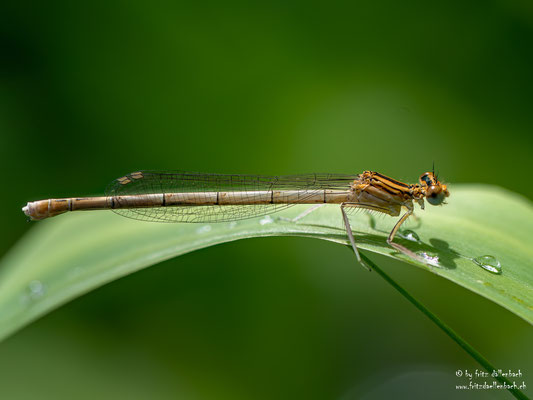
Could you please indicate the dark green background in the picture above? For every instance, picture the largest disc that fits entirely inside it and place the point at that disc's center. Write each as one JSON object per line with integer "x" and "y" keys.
{"x": 89, "y": 92}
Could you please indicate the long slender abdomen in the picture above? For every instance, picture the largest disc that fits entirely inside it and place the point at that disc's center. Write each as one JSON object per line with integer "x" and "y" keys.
{"x": 42, "y": 209}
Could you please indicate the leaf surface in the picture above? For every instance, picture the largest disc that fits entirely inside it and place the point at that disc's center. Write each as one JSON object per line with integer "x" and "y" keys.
{"x": 74, "y": 253}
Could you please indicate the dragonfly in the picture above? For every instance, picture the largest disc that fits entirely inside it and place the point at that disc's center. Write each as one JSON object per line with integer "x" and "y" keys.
{"x": 191, "y": 197}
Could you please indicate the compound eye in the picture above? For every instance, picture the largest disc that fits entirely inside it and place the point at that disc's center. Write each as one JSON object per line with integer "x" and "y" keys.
{"x": 435, "y": 195}
{"x": 427, "y": 179}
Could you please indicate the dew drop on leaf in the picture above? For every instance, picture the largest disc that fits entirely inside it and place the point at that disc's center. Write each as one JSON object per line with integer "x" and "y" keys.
{"x": 489, "y": 263}
{"x": 35, "y": 289}
{"x": 204, "y": 229}
{"x": 266, "y": 220}
{"x": 430, "y": 258}
{"x": 410, "y": 235}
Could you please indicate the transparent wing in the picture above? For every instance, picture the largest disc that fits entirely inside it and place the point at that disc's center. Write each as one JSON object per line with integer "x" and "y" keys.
{"x": 154, "y": 182}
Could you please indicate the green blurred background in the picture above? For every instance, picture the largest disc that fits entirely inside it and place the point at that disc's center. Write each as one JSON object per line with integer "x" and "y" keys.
{"x": 93, "y": 90}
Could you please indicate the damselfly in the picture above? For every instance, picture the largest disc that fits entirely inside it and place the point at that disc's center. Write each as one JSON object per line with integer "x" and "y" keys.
{"x": 160, "y": 196}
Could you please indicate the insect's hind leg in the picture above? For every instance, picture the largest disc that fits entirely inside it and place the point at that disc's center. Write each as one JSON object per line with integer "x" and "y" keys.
{"x": 350, "y": 233}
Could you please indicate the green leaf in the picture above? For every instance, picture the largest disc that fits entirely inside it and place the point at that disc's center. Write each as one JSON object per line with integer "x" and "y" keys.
{"x": 69, "y": 255}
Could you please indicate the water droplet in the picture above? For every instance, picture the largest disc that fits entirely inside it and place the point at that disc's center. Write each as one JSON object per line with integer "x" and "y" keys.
{"x": 410, "y": 235}
{"x": 76, "y": 271}
{"x": 204, "y": 229}
{"x": 490, "y": 263}
{"x": 36, "y": 289}
{"x": 430, "y": 258}
{"x": 232, "y": 224}
{"x": 266, "y": 220}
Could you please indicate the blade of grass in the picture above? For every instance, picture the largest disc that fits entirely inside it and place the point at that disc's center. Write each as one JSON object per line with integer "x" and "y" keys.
{"x": 69, "y": 255}
{"x": 476, "y": 355}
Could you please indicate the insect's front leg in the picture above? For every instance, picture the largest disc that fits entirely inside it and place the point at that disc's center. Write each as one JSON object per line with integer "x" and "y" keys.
{"x": 398, "y": 246}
